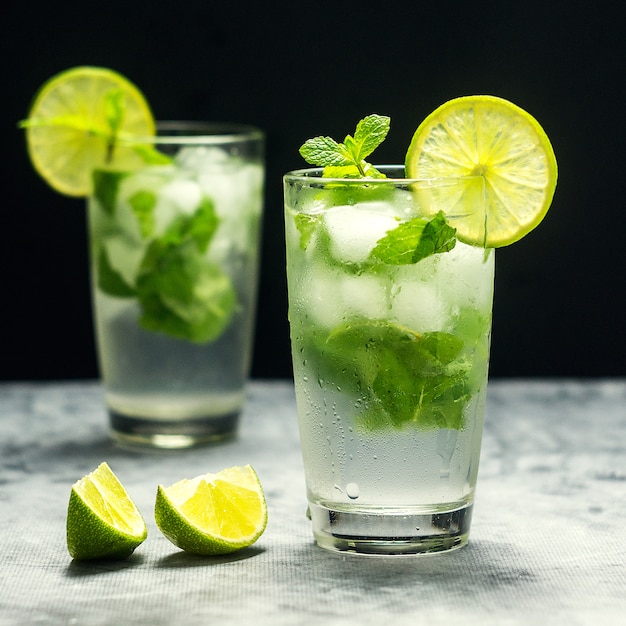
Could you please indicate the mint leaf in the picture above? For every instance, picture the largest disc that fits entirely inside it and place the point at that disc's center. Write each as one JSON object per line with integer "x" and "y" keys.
{"x": 438, "y": 237}
{"x": 352, "y": 171}
{"x": 405, "y": 377}
{"x": 307, "y": 225}
{"x": 114, "y": 110}
{"x": 324, "y": 151}
{"x": 151, "y": 156}
{"x": 142, "y": 203}
{"x": 370, "y": 132}
{"x": 106, "y": 186}
{"x": 415, "y": 240}
{"x": 199, "y": 227}
{"x": 109, "y": 280}
{"x": 328, "y": 153}
{"x": 181, "y": 293}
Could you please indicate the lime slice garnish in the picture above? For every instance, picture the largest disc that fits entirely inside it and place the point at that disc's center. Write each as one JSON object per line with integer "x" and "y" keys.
{"x": 102, "y": 520}
{"x": 75, "y": 125}
{"x": 505, "y": 148}
{"x": 213, "y": 513}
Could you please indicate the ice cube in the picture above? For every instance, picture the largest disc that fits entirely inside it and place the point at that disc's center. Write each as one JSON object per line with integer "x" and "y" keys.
{"x": 184, "y": 193}
{"x": 198, "y": 158}
{"x": 238, "y": 200}
{"x": 354, "y": 230}
{"x": 124, "y": 255}
{"x": 463, "y": 279}
{"x": 235, "y": 191}
{"x": 364, "y": 296}
{"x": 418, "y": 306}
{"x": 318, "y": 290}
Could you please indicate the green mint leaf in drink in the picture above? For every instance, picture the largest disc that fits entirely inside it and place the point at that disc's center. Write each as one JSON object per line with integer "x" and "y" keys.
{"x": 106, "y": 186}
{"x": 350, "y": 155}
{"x": 415, "y": 240}
{"x": 181, "y": 293}
{"x": 307, "y": 225}
{"x": 143, "y": 203}
{"x": 199, "y": 227}
{"x": 406, "y": 378}
{"x": 110, "y": 281}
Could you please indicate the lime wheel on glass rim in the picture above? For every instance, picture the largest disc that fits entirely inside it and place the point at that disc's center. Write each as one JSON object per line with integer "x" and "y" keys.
{"x": 78, "y": 122}
{"x": 501, "y": 144}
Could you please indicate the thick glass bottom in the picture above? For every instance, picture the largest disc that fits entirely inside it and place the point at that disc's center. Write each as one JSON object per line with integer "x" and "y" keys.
{"x": 390, "y": 532}
{"x": 135, "y": 431}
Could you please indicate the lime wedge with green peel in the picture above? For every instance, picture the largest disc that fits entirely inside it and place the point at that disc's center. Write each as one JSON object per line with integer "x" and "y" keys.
{"x": 102, "y": 520}
{"x": 78, "y": 122}
{"x": 506, "y": 151}
{"x": 214, "y": 513}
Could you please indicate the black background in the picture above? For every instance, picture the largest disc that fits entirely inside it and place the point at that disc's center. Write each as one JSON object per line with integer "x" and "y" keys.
{"x": 299, "y": 70}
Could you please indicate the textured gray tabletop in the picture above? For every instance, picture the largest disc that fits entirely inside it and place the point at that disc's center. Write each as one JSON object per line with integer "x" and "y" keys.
{"x": 548, "y": 543}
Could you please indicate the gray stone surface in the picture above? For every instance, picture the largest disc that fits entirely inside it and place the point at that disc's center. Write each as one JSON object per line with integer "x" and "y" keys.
{"x": 548, "y": 542}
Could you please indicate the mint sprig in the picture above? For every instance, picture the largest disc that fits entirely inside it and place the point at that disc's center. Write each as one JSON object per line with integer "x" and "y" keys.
{"x": 347, "y": 159}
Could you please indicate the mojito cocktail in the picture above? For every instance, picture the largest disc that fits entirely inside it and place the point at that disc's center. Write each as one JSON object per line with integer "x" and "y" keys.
{"x": 174, "y": 219}
{"x": 174, "y": 249}
{"x": 390, "y": 363}
{"x": 390, "y": 276}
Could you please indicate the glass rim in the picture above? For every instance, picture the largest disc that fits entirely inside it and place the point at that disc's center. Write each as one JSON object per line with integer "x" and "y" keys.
{"x": 315, "y": 175}
{"x": 197, "y": 132}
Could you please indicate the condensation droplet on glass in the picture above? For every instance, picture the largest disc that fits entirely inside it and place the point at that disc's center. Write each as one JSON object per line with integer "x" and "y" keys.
{"x": 352, "y": 490}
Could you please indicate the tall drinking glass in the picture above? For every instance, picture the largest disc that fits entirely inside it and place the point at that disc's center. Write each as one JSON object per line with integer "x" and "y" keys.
{"x": 390, "y": 318}
{"x": 174, "y": 254}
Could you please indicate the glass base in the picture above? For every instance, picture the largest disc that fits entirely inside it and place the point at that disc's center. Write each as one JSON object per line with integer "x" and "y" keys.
{"x": 390, "y": 533}
{"x": 134, "y": 431}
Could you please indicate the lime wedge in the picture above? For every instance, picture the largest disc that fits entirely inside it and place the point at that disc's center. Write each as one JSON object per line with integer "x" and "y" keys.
{"x": 75, "y": 125}
{"x": 213, "y": 513}
{"x": 102, "y": 520}
{"x": 507, "y": 152}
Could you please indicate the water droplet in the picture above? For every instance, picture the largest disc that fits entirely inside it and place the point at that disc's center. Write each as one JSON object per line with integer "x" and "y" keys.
{"x": 352, "y": 489}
